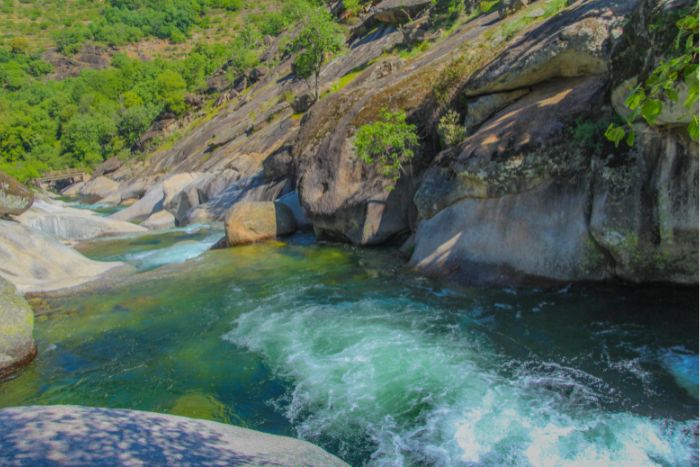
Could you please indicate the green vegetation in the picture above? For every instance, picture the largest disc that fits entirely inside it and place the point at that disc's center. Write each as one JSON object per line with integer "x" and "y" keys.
{"x": 48, "y": 123}
{"x": 388, "y": 143}
{"x": 450, "y": 129}
{"x": 319, "y": 38}
{"x": 646, "y": 99}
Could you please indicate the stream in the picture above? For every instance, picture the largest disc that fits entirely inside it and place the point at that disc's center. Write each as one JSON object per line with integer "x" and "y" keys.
{"x": 347, "y": 348}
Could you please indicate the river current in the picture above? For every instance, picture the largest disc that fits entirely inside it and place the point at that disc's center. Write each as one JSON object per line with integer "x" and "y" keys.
{"x": 346, "y": 348}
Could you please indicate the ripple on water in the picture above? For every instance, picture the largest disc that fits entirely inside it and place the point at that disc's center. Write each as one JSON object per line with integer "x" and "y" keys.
{"x": 385, "y": 379}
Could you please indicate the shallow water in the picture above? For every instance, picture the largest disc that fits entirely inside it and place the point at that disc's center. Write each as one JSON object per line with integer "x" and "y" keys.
{"x": 345, "y": 348}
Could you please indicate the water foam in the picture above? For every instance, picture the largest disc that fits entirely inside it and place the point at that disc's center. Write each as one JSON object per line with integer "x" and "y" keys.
{"x": 389, "y": 379}
{"x": 177, "y": 253}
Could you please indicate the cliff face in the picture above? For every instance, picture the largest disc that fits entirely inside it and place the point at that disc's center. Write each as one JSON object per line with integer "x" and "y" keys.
{"x": 533, "y": 194}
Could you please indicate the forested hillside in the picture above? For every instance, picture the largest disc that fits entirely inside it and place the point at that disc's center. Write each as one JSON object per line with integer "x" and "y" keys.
{"x": 82, "y": 81}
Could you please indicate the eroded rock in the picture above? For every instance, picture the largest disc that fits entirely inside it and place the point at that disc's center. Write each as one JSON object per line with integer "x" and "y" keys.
{"x": 255, "y": 221}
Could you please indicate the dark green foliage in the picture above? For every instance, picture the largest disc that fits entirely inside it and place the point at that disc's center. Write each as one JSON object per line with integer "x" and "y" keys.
{"x": 388, "y": 143}
{"x": 319, "y": 39}
{"x": 80, "y": 121}
{"x": 646, "y": 100}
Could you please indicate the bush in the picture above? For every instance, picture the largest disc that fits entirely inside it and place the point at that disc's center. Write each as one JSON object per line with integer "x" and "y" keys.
{"x": 451, "y": 130}
{"x": 388, "y": 143}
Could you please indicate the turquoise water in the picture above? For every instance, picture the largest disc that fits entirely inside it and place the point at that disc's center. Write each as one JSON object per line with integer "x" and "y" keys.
{"x": 346, "y": 348}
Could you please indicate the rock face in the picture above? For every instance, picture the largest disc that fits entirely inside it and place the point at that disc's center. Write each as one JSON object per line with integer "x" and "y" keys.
{"x": 87, "y": 436}
{"x": 98, "y": 188}
{"x": 34, "y": 261}
{"x": 66, "y": 223}
{"x": 14, "y": 197}
{"x": 16, "y": 326}
{"x": 254, "y": 221}
{"x": 536, "y": 195}
{"x": 572, "y": 44}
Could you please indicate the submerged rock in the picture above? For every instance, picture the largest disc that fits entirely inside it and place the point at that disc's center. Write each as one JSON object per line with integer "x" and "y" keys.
{"x": 14, "y": 197}
{"x": 254, "y": 221}
{"x": 16, "y": 326}
{"x": 87, "y": 436}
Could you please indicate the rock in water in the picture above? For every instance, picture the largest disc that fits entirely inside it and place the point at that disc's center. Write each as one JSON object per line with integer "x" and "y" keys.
{"x": 87, "y": 436}
{"x": 159, "y": 220}
{"x": 66, "y": 223}
{"x": 98, "y": 188}
{"x": 14, "y": 197}
{"x": 34, "y": 261}
{"x": 255, "y": 221}
{"x": 16, "y": 325}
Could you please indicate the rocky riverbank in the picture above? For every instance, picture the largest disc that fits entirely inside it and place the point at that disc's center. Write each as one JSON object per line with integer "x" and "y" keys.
{"x": 532, "y": 193}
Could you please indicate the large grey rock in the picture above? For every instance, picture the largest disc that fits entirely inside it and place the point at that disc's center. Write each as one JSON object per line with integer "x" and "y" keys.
{"x": 247, "y": 189}
{"x": 66, "y": 223}
{"x": 16, "y": 327}
{"x": 645, "y": 209}
{"x": 14, "y": 197}
{"x": 250, "y": 222}
{"x": 520, "y": 148}
{"x": 479, "y": 109}
{"x": 200, "y": 191}
{"x": 73, "y": 190}
{"x": 530, "y": 238}
{"x": 174, "y": 184}
{"x": 34, "y": 261}
{"x": 159, "y": 220}
{"x": 151, "y": 202}
{"x": 398, "y": 11}
{"x": 133, "y": 189}
{"x": 71, "y": 435}
{"x": 291, "y": 200}
{"x": 98, "y": 188}
{"x": 576, "y": 42}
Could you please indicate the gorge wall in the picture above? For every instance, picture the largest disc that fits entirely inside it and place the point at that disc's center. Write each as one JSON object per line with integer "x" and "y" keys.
{"x": 533, "y": 194}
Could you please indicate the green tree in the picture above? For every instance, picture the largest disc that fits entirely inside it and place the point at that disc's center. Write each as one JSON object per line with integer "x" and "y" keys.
{"x": 388, "y": 143}
{"x": 171, "y": 90}
{"x": 319, "y": 39}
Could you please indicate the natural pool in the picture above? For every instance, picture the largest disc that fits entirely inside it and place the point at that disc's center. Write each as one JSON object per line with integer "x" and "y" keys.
{"x": 346, "y": 348}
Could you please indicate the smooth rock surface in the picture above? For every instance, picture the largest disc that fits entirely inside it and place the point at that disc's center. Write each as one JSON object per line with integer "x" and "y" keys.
{"x": 72, "y": 435}
{"x": 98, "y": 188}
{"x": 16, "y": 326}
{"x": 255, "y": 221}
{"x": 14, "y": 197}
{"x": 291, "y": 200}
{"x": 159, "y": 220}
{"x": 574, "y": 43}
{"x": 151, "y": 202}
{"x": 34, "y": 261}
{"x": 66, "y": 223}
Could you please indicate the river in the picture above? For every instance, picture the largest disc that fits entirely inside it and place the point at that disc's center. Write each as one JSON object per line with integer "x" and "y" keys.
{"x": 348, "y": 349}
